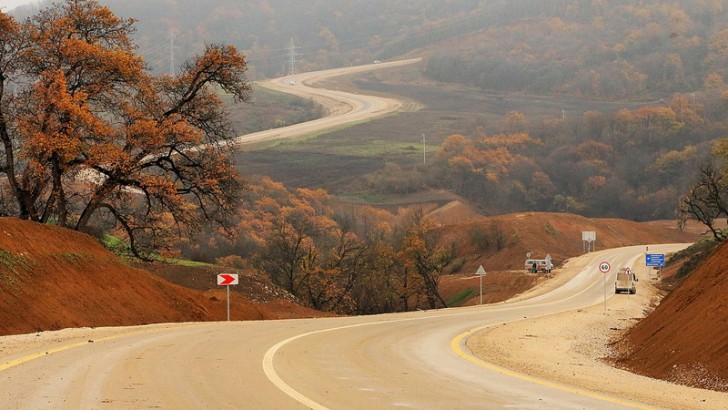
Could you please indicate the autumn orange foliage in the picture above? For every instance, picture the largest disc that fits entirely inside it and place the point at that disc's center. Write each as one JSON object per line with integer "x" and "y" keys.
{"x": 90, "y": 139}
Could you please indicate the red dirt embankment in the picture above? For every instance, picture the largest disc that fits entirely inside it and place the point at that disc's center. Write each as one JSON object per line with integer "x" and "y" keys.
{"x": 685, "y": 340}
{"x": 52, "y": 278}
{"x": 505, "y": 239}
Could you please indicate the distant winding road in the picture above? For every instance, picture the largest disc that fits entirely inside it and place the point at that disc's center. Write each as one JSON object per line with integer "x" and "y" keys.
{"x": 341, "y": 107}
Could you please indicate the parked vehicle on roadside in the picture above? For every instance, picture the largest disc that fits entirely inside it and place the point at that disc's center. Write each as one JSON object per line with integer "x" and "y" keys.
{"x": 539, "y": 265}
{"x": 626, "y": 281}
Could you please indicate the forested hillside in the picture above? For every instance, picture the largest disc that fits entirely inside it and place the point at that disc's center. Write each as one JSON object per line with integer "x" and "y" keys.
{"x": 325, "y": 33}
{"x": 632, "y": 164}
{"x": 596, "y": 49}
{"x": 601, "y": 49}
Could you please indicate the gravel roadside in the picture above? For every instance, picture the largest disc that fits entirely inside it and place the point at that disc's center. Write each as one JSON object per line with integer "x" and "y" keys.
{"x": 573, "y": 348}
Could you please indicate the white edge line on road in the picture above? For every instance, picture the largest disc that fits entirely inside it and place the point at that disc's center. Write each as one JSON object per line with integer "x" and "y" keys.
{"x": 458, "y": 342}
{"x": 273, "y": 376}
{"x": 455, "y": 344}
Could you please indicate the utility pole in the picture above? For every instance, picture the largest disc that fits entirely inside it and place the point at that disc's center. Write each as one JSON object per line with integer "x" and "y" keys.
{"x": 291, "y": 57}
{"x": 171, "y": 52}
{"x": 424, "y": 150}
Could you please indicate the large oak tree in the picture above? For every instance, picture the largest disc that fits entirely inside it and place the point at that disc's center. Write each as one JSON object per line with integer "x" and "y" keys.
{"x": 89, "y": 136}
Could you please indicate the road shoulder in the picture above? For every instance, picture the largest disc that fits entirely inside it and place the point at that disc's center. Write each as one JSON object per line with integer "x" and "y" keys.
{"x": 572, "y": 348}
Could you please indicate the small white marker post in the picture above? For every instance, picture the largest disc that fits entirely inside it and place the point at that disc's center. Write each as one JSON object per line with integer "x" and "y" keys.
{"x": 227, "y": 279}
{"x": 604, "y": 267}
{"x": 481, "y": 273}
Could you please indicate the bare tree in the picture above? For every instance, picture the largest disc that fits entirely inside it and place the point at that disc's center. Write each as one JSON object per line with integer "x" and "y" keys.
{"x": 707, "y": 200}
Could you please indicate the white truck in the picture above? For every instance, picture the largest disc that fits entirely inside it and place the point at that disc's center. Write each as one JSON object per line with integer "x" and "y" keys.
{"x": 539, "y": 265}
{"x": 626, "y": 281}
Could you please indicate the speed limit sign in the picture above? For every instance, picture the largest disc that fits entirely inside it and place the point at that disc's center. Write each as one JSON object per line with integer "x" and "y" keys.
{"x": 604, "y": 268}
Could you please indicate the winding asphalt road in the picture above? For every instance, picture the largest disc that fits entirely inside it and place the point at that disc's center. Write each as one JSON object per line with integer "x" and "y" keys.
{"x": 340, "y": 107}
{"x": 415, "y": 360}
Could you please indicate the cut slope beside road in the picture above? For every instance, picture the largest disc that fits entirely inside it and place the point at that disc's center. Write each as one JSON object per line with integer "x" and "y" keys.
{"x": 685, "y": 340}
{"x": 576, "y": 348}
{"x": 53, "y": 278}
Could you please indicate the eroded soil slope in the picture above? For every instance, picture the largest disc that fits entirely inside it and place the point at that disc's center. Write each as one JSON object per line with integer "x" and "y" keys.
{"x": 52, "y": 278}
{"x": 501, "y": 242}
{"x": 685, "y": 340}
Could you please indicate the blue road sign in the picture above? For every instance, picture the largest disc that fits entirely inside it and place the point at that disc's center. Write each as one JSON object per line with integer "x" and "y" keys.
{"x": 655, "y": 259}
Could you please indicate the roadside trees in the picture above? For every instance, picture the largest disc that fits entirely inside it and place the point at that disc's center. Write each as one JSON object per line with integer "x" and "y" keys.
{"x": 420, "y": 253}
{"x": 89, "y": 136}
{"x": 355, "y": 261}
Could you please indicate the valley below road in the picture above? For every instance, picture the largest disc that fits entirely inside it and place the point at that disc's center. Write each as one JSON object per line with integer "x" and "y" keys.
{"x": 419, "y": 360}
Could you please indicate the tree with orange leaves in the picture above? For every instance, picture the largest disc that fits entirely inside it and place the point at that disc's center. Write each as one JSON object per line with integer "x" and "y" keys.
{"x": 89, "y": 137}
{"x": 421, "y": 260}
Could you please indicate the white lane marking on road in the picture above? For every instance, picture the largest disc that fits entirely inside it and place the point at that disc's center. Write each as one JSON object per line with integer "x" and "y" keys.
{"x": 455, "y": 343}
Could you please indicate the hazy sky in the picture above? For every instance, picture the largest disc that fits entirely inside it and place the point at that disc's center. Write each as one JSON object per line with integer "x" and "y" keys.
{"x": 7, "y": 5}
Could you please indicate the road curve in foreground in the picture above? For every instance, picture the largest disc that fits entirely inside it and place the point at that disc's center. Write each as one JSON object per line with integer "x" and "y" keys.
{"x": 340, "y": 107}
{"x": 412, "y": 360}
